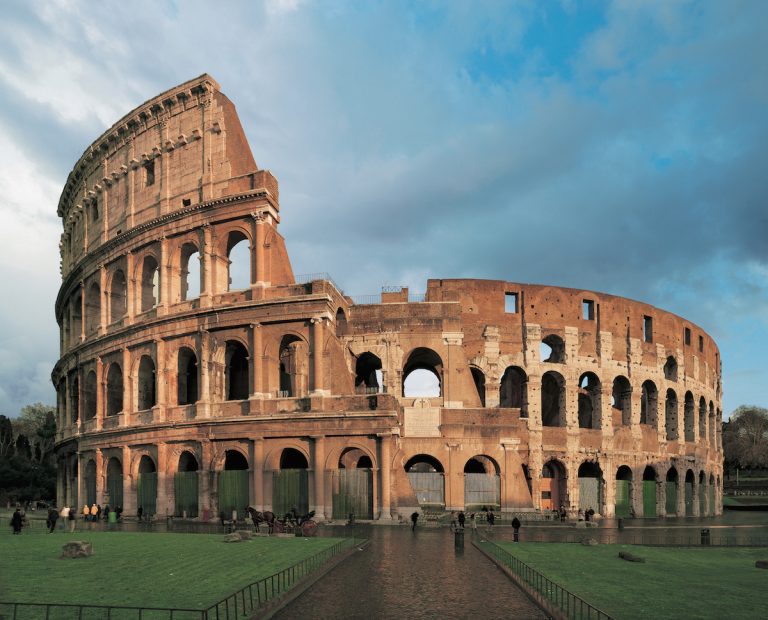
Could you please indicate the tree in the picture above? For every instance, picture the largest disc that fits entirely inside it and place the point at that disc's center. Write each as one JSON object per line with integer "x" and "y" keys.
{"x": 7, "y": 439}
{"x": 745, "y": 438}
{"x": 38, "y": 424}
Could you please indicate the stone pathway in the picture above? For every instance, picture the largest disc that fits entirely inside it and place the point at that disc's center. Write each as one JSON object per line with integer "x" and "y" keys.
{"x": 413, "y": 575}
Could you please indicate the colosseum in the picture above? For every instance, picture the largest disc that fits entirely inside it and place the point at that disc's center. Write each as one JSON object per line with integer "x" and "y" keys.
{"x": 198, "y": 375}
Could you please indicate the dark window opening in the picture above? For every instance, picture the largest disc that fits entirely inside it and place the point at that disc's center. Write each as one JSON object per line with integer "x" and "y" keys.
{"x": 479, "y": 378}
{"x": 368, "y": 375}
{"x": 687, "y": 336}
{"x": 293, "y": 459}
{"x": 114, "y": 389}
{"x": 513, "y": 390}
{"x": 236, "y": 373}
{"x": 187, "y": 381}
{"x": 670, "y": 369}
{"x": 510, "y": 303}
{"x": 701, "y": 344}
{"x": 647, "y": 329}
{"x": 149, "y": 173}
{"x": 552, "y": 399}
{"x": 185, "y": 202}
{"x": 552, "y": 349}
{"x": 588, "y": 310}
{"x": 147, "y": 393}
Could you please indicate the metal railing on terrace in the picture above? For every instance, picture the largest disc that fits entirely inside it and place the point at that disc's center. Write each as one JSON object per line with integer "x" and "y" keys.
{"x": 363, "y": 300}
{"x": 306, "y": 278}
{"x": 544, "y": 590}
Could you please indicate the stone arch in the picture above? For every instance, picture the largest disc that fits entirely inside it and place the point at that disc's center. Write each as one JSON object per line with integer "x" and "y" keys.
{"x": 293, "y": 360}
{"x": 118, "y": 296}
{"x": 427, "y": 477}
{"x": 239, "y": 276}
{"x": 482, "y": 483}
{"x": 190, "y": 272}
{"x": 368, "y": 373}
{"x": 689, "y": 428}
{"x": 114, "y": 484}
{"x": 114, "y": 400}
{"x": 186, "y": 485}
{"x": 272, "y": 459}
{"x": 712, "y": 422}
{"x": 702, "y": 420}
{"x": 146, "y": 384}
{"x": 670, "y": 487}
{"x": 90, "y": 387}
{"x": 187, "y": 391}
{"x": 590, "y": 399}
{"x": 650, "y": 493}
{"x": 149, "y": 282}
{"x": 670, "y": 369}
{"x": 146, "y": 486}
{"x": 621, "y": 401}
{"x": 670, "y": 415}
{"x": 92, "y": 308}
{"x": 89, "y": 475}
{"x": 552, "y": 399}
{"x": 422, "y": 360}
{"x": 624, "y": 492}
{"x": 590, "y": 486}
{"x": 236, "y": 371}
{"x": 554, "y": 489}
{"x": 341, "y": 322}
{"x": 553, "y": 347}
{"x": 290, "y": 483}
{"x": 76, "y": 318}
{"x": 690, "y": 483}
{"x": 478, "y": 378}
{"x": 354, "y": 450}
{"x": 513, "y": 390}
{"x": 649, "y": 404}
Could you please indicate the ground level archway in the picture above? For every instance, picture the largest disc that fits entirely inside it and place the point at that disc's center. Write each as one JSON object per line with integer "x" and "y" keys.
{"x": 482, "y": 483}
{"x": 427, "y": 478}
{"x": 352, "y": 485}
{"x": 234, "y": 496}
{"x": 185, "y": 486}
{"x": 290, "y": 484}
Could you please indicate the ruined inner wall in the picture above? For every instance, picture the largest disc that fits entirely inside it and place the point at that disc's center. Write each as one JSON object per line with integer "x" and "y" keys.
{"x": 158, "y": 371}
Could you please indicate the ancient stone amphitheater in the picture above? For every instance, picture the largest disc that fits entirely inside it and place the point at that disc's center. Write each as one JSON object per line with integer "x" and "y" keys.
{"x": 199, "y": 375}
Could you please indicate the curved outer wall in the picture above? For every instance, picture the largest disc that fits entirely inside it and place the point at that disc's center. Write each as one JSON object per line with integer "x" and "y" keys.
{"x": 154, "y": 376}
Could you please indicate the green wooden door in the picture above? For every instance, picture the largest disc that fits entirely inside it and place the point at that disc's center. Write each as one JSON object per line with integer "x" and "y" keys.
{"x": 352, "y": 493}
{"x": 233, "y": 492}
{"x": 115, "y": 490}
{"x": 688, "y": 499}
{"x": 146, "y": 493}
{"x": 185, "y": 493}
{"x": 649, "y": 498}
{"x": 671, "y": 503}
{"x": 589, "y": 494}
{"x": 623, "y": 506}
{"x": 290, "y": 489}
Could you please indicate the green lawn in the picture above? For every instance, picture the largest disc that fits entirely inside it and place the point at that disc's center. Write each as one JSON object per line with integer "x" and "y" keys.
{"x": 673, "y": 582}
{"x": 138, "y": 569}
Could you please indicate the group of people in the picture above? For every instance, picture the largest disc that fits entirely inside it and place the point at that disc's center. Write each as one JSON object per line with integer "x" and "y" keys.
{"x": 95, "y": 513}
{"x": 459, "y": 521}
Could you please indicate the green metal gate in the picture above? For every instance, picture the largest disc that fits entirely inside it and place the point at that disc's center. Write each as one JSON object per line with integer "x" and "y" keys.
{"x": 185, "y": 493}
{"x": 233, "y": 492}
{"x": 290, "y": 489}
{"x": 146, "y": 493}
{"x": 702, "y": 500}
{"x": 352, "y": 493}
{"x": 90, "y": 488}
{"x": 623, "y": 506}
{"x": 589, "y": 494}
{"x": 649, "y": 498}
{"x": 711, "y": 499}
{"x": 429, "y": 488}
{"x": 671, "y": 503}
{"x": 115, "y": 490}
{"x": 688, "y": 499}
{"x": 482, "y": 490}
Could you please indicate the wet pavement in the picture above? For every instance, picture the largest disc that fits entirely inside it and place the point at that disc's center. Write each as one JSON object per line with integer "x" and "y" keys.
{"x": 404, "y": 574}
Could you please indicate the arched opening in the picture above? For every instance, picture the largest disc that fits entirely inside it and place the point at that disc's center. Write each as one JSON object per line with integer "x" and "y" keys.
{"x": 702, "y": 420}
{"x": 150, "y": 284}
{"x": 711, "y": 424}
{"x": 341, "y": 323}
{"x": 114, "y": 389}
{"x": 553, "y": 486}
{"x": 74, "y": 398}
{"x": 294, "y": 364}
{"x": 76, "y": 318}
{"x": 482, "y": 483}
{"x": 552, "y": 399}
{"x": 589, "y": 400}
{"x": 236, "y": 371}
{"x": 89, "y": 396}
{"x": 690, "y": 480}
{"x": 670, "y": 369}
{"x": 92, "y": 309}
{"x": 190, "y": 273}
{"x": 624, "y": 492}
{"x": 552, "y": 349}
{"x": 711, "y": 489}
{"x": 670, "y": 415}
{"x": 352, "y": 485}
{"x": 513, "y": 391}
{"x": 187, "y": 377}
{"x": 649, "y": 404}
{"x": 426, "y": 475}
{"x": 90, "y": 483}
{"x": 146, "y": 489}
{"x": 422, "y": 374}
{"x": 590, "y": 487}
{"x": 147, "y": 394}
{"x": 368, "y": 374}
{"x": 479, "y": 380}
{"x": 118, "y": 295}
{"x": 185, "y": 486}
{"x": 621, "y": 401}
{"x": 702, "y": 493}
{"x": 290, "y": 485}
{"x": 238, "y": 262}
{"x": 649, "y": 492}
{"x": 671, "y": 492}
{"x": 114, "y": 483}
{"x": 234, "y": 496}
{"x": 689, "y": 427}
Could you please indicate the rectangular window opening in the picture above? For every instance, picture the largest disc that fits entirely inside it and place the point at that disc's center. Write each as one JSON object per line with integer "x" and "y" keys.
{"x": 687, "y": 336}
{"x": 588, "y": 310}
{"x": 510, "y": 303}
{"x": 647, "y": 329}
{"x": 701, "y": 344}
{"x": 149, "y": 173}
{"x": 186, "y": 202}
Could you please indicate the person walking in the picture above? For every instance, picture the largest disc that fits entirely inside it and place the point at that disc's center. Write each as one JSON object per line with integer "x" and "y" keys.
{"x": 16, "y": 521}
{"x": 414, "y": 519}
{"x": 86, "y": 512}
{"x": 516, "y": 528}
{"x": 462, "y": 519}
{"x": 64, "y": 514}
{"x": 491, "y": 518}
{"x": 72, "y": 520}
{"x": 53, "y": 516}
{"x": 473, "y": 521}
{"x": 94, "y": 512}
{"x": 453, "y": 520}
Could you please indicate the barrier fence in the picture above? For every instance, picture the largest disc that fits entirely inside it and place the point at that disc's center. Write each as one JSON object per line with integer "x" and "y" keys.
{"x": 548, "y": 593}
{"x": 244, "y": 601}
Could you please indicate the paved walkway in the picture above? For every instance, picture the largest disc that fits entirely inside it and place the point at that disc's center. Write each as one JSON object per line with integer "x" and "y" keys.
{"x": 413, "y": 575}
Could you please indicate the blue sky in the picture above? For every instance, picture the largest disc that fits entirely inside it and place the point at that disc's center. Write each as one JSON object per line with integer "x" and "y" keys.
{"x": 613, "y": 146}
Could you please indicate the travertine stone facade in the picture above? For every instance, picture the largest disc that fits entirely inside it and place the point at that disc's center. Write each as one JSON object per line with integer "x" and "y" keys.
{"x": 168, "y": 366}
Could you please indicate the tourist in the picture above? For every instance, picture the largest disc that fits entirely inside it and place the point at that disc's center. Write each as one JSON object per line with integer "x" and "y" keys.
{"x": 98, "y": 513}
{"x": 473, "y": 521}
{"x": 414, "y": 519}
{"x": 72, "y": 520}
{"x": 140, "y": 514}
{"x": 64, "y": 514}
{"x": 53, "y": 516}
{"x": 94, "y": 511}
{"x": 453, "y": 520}
{"x": 563, "y": 513}
{"x": 462, "y": 519}
{"x": 86, "y": 512}
{"x": 16, "y": 521}
{"x": 590, "y": 515}
{"x": 516, "y": 528}
{"x": 580, "y": 515}
{"x": 119, "y": 512}
{"x": 106, "y": 512}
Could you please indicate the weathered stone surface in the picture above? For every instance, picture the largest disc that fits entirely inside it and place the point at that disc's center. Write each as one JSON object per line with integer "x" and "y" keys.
{"x": 244, "y": 534}
{"x": 232, "y": 538}
{"x": 589, "y": 542}
{"x": 77, "y": 549}
{"x": 629, "y": 557}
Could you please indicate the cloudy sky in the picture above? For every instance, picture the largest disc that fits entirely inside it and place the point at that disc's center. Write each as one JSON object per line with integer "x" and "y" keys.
{"x": 614, "y": 146}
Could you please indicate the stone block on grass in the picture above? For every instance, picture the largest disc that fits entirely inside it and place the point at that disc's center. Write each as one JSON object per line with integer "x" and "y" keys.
{"x": 77, "y": 549}
{"x": 761, "y": 564}
{"x": 629, "y": 557}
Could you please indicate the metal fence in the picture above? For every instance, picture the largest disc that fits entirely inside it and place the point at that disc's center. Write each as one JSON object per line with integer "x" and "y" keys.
{"x": 241, "y": 603}
{"x": 647, "y": 537}
{"x": 544, "y": 590}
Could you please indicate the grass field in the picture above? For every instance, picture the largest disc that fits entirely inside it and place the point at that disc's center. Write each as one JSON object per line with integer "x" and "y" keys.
{"x": 137, "y": 569}
{"x": 673, "y": 582}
